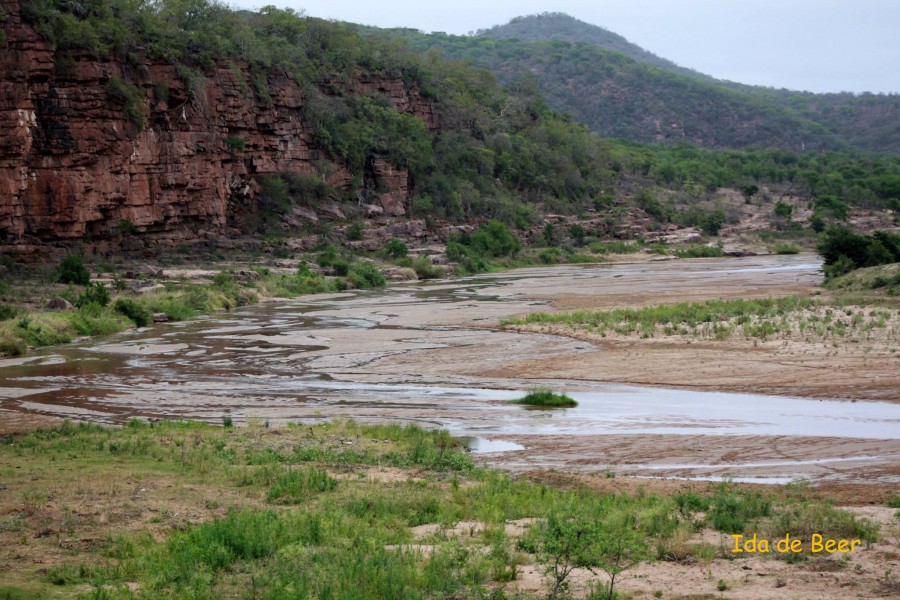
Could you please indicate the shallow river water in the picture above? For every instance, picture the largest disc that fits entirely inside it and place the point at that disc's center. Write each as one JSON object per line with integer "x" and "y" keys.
{"x": 413, "y": 353}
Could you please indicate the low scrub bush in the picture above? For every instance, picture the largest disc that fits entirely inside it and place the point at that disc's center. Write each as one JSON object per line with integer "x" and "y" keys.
{"x": 355, "y": 232}
{"x": 92, "y": 319}
{"x": 95, "y": 293}
{"x": 139, "y": 314}
{"x": 395, "y": 249}
{"x": 365, "y": 275}
{"x": 469, "y": 261}
{"x": 615, "y": 247}
{"x": 803, "y": 519}
{"x": 550, "y": 256}
{"x": 699, "y": 251}
{"x": 492, "y": 239}
{"x": 785, "y": 249}
{"x": 425, "y": 269}
{"x": 10, "y": 346}
{"x": 733, "y": 511}
{"x": 340, "y": 267}
{"x": 8, "y": 311}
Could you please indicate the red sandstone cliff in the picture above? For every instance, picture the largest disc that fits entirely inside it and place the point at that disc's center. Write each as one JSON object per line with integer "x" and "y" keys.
{"x": 72, "y": 166}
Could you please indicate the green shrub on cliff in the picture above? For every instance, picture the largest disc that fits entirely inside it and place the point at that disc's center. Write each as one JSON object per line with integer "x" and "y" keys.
{"x": 131, "y": 97}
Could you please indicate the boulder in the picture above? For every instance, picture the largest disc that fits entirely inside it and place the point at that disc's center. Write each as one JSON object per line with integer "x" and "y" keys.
{"x": 247, "y": 276}
{"x": 60, "y": 304}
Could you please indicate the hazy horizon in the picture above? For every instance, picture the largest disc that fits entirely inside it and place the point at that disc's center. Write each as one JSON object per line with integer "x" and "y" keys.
{"x": 807, "y": 45}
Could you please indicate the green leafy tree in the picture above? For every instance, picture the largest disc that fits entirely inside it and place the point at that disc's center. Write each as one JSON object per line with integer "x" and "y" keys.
{"x": 749, "y": 190}
{"x": 840, "y": 241}
{"x": 712, "y": 223}
{"x": 783, "y": 210}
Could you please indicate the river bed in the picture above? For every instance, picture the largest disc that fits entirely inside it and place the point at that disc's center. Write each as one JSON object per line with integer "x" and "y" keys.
{"x": 426, "y": 353}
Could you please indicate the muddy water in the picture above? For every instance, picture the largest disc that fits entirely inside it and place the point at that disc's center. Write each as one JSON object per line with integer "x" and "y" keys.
{"x": 415, "y": 353}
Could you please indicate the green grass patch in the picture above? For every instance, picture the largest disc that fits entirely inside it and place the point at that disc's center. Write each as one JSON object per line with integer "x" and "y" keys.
{"x": 716, "y": 319}
{"x": 296, "y": 486}
{"x": 877, "y": 280}
{"x": 545, "y": 398}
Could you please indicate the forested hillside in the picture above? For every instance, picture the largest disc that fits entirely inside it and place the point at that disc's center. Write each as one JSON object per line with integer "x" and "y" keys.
{"x": 620, "y": 90}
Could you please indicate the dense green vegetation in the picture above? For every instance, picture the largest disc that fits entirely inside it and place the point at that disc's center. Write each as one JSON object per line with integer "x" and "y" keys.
{"x": 883, "y": 278}
{"x": 72, "y": 270}
{"x": 186, "y": 510}
{"x": 832, "y": 181}
{"x": 844, "y": 250}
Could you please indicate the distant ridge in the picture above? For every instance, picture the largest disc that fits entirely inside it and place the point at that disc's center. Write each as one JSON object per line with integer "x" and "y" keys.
{"x": 560, "y": 26}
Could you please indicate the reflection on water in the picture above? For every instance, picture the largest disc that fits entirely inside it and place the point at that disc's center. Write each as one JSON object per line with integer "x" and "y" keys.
{"x": 480, "y": 445}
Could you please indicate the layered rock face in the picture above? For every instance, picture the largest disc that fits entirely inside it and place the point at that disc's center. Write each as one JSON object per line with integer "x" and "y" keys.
{"x": 74, "y": 166}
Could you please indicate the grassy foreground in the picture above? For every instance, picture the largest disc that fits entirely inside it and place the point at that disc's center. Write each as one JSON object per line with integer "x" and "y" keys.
{"x": 335, "y": 510}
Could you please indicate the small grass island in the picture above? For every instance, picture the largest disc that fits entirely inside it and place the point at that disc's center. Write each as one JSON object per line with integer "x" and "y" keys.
{"x": 545, "y": 399}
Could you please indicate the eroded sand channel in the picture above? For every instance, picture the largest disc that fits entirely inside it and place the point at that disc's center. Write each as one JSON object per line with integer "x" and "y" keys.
{"x": 426, "y": 353}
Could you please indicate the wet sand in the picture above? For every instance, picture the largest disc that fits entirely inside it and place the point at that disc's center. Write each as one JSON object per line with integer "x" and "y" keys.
{"x": 431, "y": 354}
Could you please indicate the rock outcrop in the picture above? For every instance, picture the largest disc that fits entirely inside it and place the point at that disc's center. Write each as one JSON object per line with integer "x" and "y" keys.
{"x": 74, "y": 167}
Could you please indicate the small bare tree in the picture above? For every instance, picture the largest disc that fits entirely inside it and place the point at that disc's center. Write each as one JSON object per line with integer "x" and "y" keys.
{"x": 568, "y": 541}
{"x": 565, "y": 543}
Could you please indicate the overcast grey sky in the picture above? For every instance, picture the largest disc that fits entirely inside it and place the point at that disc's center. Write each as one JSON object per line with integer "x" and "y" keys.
{"x": 815, "y": 45}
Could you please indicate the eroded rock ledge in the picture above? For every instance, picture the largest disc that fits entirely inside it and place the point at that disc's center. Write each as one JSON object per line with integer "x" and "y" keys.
{"x": 73, "y": 167}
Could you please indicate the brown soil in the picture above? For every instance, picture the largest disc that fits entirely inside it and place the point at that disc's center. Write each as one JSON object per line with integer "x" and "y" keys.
{"x": 814, "y": 371}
